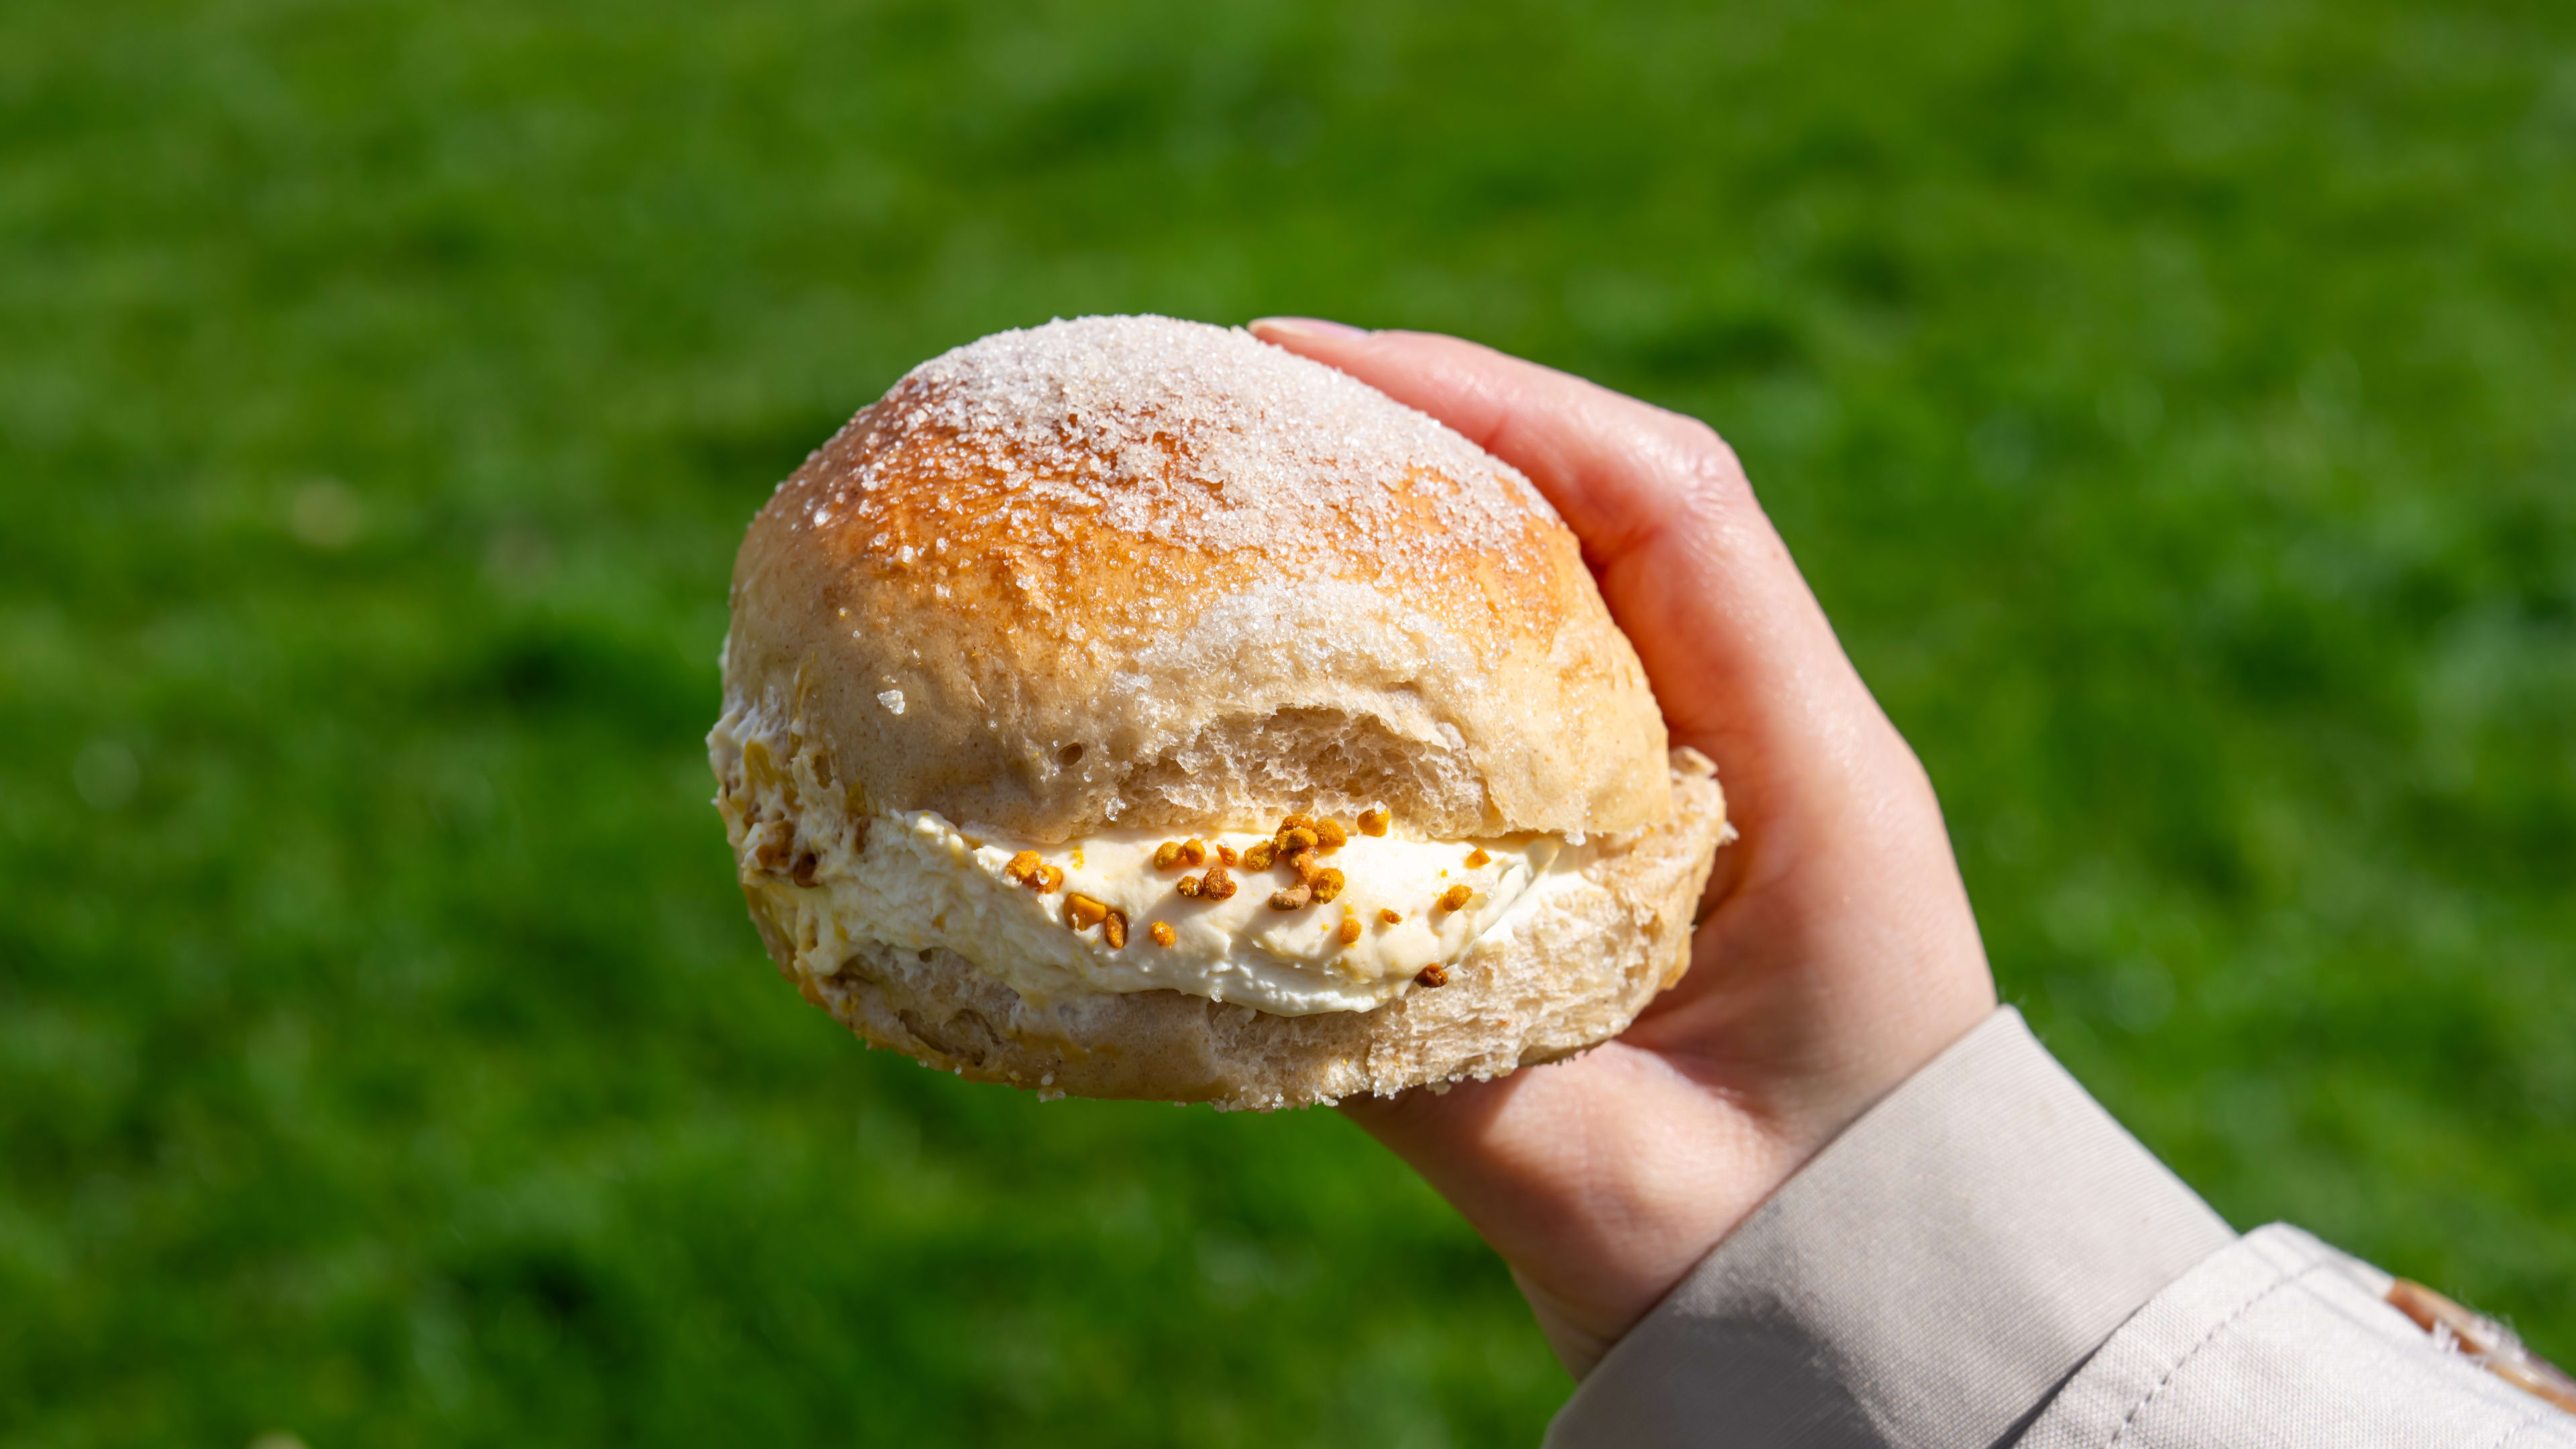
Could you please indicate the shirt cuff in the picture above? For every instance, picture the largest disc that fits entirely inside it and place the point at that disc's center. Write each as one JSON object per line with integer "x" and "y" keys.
{"x": 1930, "y": 1278}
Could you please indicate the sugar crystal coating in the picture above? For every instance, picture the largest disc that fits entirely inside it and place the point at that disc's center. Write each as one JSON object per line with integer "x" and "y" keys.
{"x": 1197, "y": 437}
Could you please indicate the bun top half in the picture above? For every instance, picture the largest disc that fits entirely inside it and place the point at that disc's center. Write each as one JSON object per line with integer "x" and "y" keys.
{"x": 1136, "y": 572}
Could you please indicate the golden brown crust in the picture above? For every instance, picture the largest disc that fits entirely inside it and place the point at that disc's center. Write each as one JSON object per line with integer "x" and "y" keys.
{"x": 1222, "y": 583}
{"x": 1552, "y": 980}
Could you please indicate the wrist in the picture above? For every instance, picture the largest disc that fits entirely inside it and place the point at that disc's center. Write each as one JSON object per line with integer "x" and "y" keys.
{"x": 1932, "y": 1274}
{"x": 1600, "y": 1181}
{"x": 1604, "y": 1180}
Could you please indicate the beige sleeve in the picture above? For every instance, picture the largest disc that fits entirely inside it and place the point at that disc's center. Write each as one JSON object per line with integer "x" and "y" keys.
{"x": 1987, "y": 1259}
{"x": 2279, "y": 1341}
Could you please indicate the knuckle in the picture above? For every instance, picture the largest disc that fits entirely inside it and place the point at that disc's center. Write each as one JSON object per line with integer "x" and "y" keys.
{"x": 1713, "y": 475}
{"x": 1711, "y": 453}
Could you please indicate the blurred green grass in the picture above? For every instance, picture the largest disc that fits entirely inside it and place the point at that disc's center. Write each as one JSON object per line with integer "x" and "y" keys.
{"x": 2170, "y": 401}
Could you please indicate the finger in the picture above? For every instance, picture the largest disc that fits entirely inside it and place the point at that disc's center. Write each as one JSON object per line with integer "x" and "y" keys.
{"x": 1617, "y": 469}
{"x": 1741, "y": 656}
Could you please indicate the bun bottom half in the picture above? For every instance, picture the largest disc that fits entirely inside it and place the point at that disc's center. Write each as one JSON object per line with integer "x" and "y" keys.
{"x": 1568, "y": 972}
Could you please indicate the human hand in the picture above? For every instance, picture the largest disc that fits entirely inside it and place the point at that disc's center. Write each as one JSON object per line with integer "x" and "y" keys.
{"x": 1837, "y": 952}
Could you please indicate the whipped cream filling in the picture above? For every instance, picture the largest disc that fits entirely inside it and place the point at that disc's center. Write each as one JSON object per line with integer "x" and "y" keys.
{"x": 916, "y": 880}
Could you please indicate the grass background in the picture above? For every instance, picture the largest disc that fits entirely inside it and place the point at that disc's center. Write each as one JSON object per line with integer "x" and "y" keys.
{"x": 2171, "y": 402}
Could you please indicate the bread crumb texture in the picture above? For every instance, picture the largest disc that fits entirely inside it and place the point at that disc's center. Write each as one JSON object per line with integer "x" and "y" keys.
{"x": 1542, "y": 984}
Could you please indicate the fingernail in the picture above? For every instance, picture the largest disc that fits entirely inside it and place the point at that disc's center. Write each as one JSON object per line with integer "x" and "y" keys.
{"x": 1304, "y": 327}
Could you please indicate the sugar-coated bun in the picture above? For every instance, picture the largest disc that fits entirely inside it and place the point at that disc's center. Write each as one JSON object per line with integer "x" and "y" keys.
{"x": 1140, "y": 572}
{"x": 1133, "y": 573}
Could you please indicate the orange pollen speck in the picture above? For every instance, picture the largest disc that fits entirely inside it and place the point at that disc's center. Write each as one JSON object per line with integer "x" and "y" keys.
{"x": 1477, "y": 857}
{"x": 1455, "y": 898}
{"x": 1082, "y": 912}
{"x": 1374, "y": 822}
{"x": 1161, "y": 931}
{"x": 1391, "y": 916}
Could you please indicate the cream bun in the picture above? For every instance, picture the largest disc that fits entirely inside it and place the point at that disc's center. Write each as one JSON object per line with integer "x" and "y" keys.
{"x": 1125, "y": 707}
